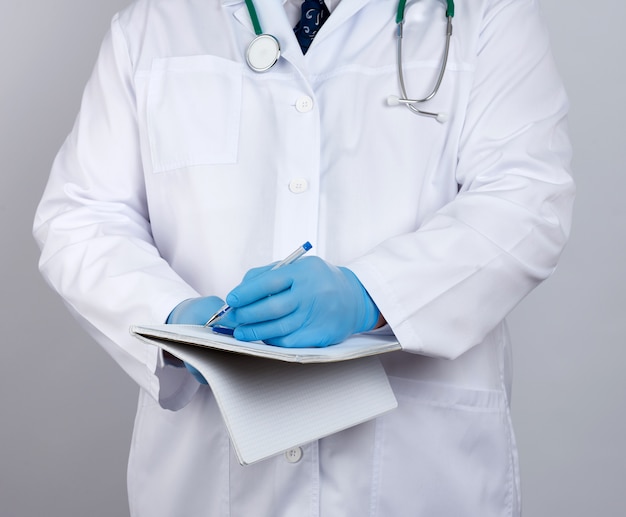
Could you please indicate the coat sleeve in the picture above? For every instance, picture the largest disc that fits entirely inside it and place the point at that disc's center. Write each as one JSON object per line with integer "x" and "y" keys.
{"x": 444, "y": 287}
{"x": 93, "y": 228}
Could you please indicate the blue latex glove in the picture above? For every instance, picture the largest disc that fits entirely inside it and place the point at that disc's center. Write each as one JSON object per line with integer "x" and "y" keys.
{"x": 196, "y": 311}
{"x": 307, "y": 303}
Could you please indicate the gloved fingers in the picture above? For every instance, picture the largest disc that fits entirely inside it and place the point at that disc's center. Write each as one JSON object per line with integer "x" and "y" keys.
{"x": 267, "y": 330}
{"x": 309, "y": 334}
{"x": 309, "y": 303}
{"x": 260, "y": 286}
{"x": 266, "y": 309}
{"x": 198, "y": 376}
{"x": 305, "y": 338}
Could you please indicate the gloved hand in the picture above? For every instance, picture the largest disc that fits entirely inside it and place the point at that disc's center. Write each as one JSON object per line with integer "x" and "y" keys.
{"x": 307, "y": 303}
{"x": 196, "y": 311}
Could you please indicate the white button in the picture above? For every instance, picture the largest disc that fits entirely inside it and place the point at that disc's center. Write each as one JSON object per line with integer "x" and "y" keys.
{"x": 298, "y": 185}
{"x": 304, "y": 104}
{"x": 294, "y": 455}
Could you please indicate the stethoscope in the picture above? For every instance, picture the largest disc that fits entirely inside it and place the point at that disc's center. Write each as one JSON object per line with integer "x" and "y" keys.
{"x": 394, "y": 100}
{"x": 264, "y": 51}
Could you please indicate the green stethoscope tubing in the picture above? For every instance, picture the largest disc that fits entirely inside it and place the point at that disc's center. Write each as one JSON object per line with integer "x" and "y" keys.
{"x": 254, "y": 17}
{"x": 399, "y": 15}
{"x": 402, "y": 5}
{"x": 410, "y": 103}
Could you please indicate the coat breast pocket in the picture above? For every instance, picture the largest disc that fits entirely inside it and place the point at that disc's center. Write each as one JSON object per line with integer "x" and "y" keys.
{"x": 193, "y": 111}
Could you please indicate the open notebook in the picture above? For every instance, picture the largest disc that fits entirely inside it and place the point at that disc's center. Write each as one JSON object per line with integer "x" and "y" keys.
{"x": 272, "y": 398}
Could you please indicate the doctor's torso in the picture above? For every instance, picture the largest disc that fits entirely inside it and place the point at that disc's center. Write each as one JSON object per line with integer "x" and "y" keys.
{"x": 306, "y": 151}
{"x": 217, "y": 169}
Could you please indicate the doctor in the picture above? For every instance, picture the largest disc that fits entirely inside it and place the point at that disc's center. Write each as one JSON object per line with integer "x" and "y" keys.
{"x": 187, "y": 169}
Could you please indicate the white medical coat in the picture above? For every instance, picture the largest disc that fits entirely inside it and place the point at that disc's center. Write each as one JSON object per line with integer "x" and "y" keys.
{"x": 185, "y": 169}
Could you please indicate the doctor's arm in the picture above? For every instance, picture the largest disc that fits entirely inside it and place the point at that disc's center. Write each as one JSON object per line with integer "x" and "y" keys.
{"x": 445, "y": 286}
{"x": 94, "y": 231}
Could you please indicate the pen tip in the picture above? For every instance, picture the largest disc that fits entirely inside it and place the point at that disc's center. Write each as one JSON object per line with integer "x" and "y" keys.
{"x": 307, "y": 246}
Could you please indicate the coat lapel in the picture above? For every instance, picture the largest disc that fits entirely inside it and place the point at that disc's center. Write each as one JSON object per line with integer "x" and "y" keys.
{"x": 273, "y": 20}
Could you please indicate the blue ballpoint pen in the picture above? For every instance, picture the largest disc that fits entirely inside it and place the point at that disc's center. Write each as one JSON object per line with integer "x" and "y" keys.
{"x": 287, "y": 260}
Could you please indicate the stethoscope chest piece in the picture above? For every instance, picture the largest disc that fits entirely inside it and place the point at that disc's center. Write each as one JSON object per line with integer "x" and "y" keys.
{"x": 263, "y": 53}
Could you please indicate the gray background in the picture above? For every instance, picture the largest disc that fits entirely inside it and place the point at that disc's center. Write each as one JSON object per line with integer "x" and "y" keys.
{"x": 67, "y": 410}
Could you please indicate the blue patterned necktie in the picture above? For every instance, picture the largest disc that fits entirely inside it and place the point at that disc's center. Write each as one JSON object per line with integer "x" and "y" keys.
{"x": 314, "y": 14}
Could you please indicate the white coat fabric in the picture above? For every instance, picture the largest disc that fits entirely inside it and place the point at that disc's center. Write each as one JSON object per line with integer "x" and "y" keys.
{"x": 185, "y": 169}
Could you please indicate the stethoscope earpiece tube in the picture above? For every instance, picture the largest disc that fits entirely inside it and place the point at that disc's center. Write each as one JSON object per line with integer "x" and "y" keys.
{"x": 394, "y": 100}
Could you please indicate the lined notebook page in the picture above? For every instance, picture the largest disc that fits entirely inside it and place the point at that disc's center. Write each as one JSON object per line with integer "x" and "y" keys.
{"x": 270, "y": 406}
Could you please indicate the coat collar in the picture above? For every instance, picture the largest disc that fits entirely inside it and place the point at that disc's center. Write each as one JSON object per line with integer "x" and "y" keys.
{"x": 273, "y": 20}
